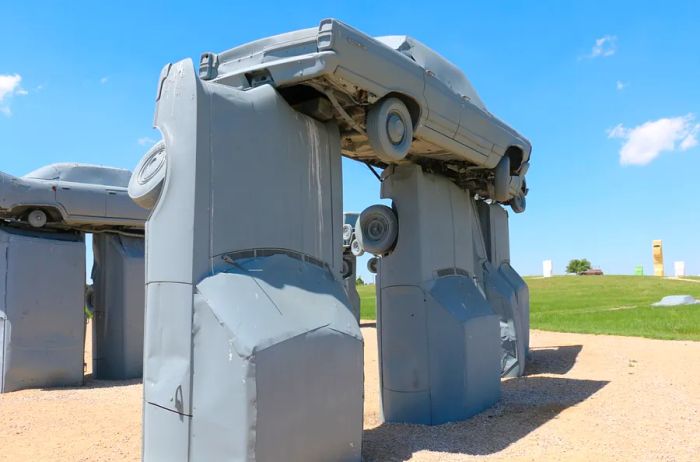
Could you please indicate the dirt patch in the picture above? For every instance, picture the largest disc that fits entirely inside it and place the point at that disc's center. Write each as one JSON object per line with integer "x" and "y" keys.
{"x": 585, "y": 397}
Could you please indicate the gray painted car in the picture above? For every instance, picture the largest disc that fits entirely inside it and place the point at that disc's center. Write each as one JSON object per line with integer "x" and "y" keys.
{"x": 81, "y": 196}
{"x": 396, "y": 101}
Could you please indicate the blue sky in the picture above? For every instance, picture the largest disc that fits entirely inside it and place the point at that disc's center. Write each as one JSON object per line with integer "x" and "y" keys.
{"x": 599, "y": 88}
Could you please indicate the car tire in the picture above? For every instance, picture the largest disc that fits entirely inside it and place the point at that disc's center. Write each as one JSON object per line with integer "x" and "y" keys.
{"x": 356, "y": 248}
{"x": 373, "y": 265}
{"x": 502, "y": 180}
{"x": 377, "y": 229}
{"x": 347, "y": 232}
{"x": 518, "y": 203}
{"x": 37, "y": 218}
{"x": 148, "y": 177}
{"x": 390, "y": 129}
{"x": 347, "y": 267}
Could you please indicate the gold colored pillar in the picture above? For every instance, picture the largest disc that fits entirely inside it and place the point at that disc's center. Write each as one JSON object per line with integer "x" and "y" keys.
{"x": 658, "y": 255}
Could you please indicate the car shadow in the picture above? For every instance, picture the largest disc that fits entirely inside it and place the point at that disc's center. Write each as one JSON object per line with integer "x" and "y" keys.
{"x": 526, "y": 404}
{"x": 552, "y": 360}
{"x": 368, "y": 324}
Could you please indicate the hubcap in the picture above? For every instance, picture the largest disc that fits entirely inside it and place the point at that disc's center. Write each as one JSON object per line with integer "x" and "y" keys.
{"x": 151, "y": 167}
{"x": 376, "y": 229}
{"x": 37, "y": 218}
{"x": 395, "y": 128}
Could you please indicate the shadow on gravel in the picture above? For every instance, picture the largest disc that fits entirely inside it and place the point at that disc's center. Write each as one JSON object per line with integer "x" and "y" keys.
{"x": 552, "y": 360}
{"x": 90, "y": 383}
{"x": 526, "y": 404}
{"x": 368, "y": 324}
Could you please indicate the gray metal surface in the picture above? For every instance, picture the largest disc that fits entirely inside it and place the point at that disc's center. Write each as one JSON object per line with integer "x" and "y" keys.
{"x": 251, "y": 352}
{"x": 438, "y": 336}
{"x": 42, "y": 322}
{"x": 350, "y": 283}
{"x": 505, "y": 289}
{"x": 336, "y": 71}
{"x": 349, "y": 265}
{"x": 118, "y": 306}
{"x": 72, "y": 195}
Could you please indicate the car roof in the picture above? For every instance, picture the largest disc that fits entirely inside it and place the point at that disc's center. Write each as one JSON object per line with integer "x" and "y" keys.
{"x": 82, "y": 173}
{"x": 432, "y": 61}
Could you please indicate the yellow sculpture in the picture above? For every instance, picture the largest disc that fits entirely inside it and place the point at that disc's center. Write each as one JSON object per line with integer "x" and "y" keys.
{"x": 658, "y": 254}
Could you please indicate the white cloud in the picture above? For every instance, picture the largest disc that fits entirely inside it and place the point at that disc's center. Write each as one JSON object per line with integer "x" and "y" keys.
{"x": 645, "y": 142}
{"x": 691, "y": 140}
{"x": 604, "y": 46}
{"x": 146, "y": 141}
{"x": 620, "y": 85}
{"x": 104, "y": 80}
{"x": 618, "y": 131}
{"x": 9, "y": 86}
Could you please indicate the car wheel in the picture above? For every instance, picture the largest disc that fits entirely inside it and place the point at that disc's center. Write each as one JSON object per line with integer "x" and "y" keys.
{"x": 37, "y": 218}
{"x": 347, "y": 232}
{"x": 148, "y": 177}
{"x": 373, "y": 265}
{"x": 377, "y": 229}
{"x": 502, "y": 180}
{"x": 518, "y": 203}
{"x": 347, "y": 268}
{"x": 390, "y": 129}
{"x": 356, "y": 248}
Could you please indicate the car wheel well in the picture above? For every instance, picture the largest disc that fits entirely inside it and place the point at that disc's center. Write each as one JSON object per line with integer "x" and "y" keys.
{"x": 516, "y": 158}
{"x": 51, "y": 212}
{"x": 411, "y": 104}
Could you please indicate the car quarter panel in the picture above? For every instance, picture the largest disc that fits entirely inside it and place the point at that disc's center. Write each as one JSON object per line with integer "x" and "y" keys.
{"x": 481, "y": 131}
{"x": 18, "y": 192}
{"x": 384, "y": 70}
{"x": 120, "y": 205}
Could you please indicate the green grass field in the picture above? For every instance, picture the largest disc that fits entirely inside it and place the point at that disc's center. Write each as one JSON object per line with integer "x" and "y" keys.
{"x": 368, "y": 301}
{"x": 617, "y": 305}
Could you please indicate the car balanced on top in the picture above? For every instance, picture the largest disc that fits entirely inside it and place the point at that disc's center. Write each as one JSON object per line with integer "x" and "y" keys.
{"x": 394, "y": 99}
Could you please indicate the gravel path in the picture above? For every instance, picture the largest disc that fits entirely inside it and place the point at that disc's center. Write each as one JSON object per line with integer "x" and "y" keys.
{"x": 586, "y": 398}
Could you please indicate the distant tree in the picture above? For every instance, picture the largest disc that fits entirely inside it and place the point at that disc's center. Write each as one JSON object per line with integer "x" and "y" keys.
{"x": 576, "y": 265}
{"x": 359, "y": 281}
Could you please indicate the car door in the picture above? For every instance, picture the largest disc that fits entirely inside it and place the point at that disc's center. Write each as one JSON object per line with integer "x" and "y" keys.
{"x": 477, "y": 130}
{"x": 443, "y": 106}
{"x": 82, "y": 199}
{"x": 120, "y": 205}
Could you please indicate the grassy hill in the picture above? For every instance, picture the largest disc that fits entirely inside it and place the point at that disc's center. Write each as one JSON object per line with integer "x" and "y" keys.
{"x": 617, "y": 305}
{"x": 368, "y": 301}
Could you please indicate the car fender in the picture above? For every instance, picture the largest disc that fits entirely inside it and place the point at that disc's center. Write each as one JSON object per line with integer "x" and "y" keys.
{"x": 21, "y": 208}
{"x": 17, "y": 193}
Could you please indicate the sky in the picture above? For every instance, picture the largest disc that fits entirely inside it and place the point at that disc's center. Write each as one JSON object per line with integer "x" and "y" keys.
{"x": 607, "y": 92}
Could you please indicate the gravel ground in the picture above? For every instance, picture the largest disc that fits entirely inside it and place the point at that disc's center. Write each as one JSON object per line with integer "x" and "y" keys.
{"x": 585, "y": 397}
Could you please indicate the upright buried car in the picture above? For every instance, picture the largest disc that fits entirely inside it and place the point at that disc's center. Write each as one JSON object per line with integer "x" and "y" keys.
{"x": 81, "y": 196}
{"x": 395, "y": 99}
